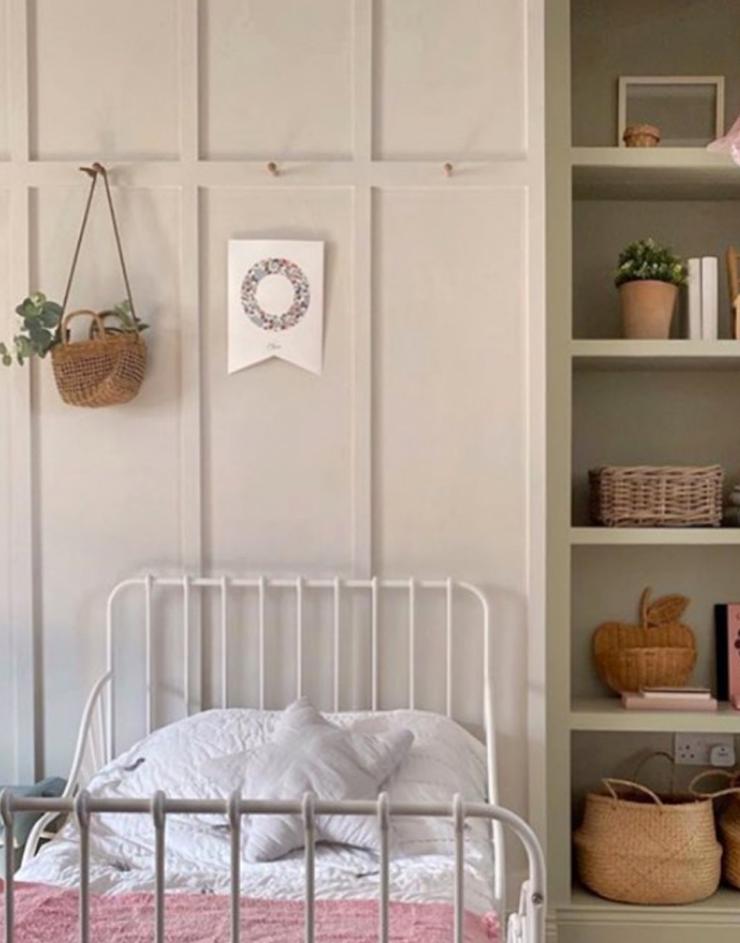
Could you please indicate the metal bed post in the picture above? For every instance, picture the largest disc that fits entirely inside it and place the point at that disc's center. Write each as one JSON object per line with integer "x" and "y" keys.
{"x": 337, "y": 628}
{"x": 309, "y": 832}
{"x": 148, "y": 651}
{"x": 81, "y": 810}
{"x": 233, "y": 811}
{"x": 6, "y": 813}
{"x": 224, "y": 642}
{"x": 299, "y": 636}
{"x": 384, "y": 825}
{"x": 159, "y": 819}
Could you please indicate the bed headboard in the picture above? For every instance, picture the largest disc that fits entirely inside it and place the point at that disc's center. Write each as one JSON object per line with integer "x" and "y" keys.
{"x": 414, "y": 595}
{"x": 97, "y": 735}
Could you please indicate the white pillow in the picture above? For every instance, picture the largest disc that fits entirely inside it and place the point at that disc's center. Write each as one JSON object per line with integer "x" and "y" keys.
{"x": 444, "y": 759}
{"x": 309, "y": 754}
{"x": 205, "y": 756}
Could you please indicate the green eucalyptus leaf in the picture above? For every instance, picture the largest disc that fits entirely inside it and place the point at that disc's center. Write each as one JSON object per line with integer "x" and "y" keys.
{"x": 23, "y": 345}
{"x": 27, "y": 309}
{"x": 48, "y": 318}
{"x": 38, "y": 333}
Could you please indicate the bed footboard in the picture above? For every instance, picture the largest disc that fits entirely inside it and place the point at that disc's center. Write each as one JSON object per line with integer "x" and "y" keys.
{"x": 527, "y": 926}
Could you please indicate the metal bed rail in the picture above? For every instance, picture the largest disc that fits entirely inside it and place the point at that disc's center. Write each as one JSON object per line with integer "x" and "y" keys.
{"x": 529, "y": 922}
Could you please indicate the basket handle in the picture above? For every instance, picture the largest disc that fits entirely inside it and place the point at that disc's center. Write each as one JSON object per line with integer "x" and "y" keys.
{"x": 716, "y": 774}
{"x": 97, "y": 323}
{"x": 644, "y": 603}
{"x": 95, "y": 327}
{"x": 97, "y": 170}
{"x": 610, "y": 783}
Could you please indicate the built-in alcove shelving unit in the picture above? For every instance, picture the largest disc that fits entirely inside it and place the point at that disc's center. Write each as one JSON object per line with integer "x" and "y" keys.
{"x": 615, "y": 401}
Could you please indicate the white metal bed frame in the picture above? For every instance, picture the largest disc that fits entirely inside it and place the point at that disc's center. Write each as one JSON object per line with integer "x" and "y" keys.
{"x": 96, "y": 744}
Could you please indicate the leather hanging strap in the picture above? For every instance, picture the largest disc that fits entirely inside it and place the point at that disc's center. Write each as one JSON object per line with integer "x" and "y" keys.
{"x": 95, "y": 171}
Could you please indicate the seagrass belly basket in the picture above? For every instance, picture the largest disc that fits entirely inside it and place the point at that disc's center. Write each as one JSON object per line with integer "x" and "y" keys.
{"x": 728, "y": 822}
{"x": 638, "y": 847}
{"x": 106, "y": 367}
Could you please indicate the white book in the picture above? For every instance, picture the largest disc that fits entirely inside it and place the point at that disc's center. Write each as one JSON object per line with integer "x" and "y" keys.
{"x": 695, "y": 329}
{"x": 709, "y": 300}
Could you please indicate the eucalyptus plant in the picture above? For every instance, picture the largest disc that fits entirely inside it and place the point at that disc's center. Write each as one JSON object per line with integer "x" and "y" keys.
{"x": 646, "y": 260}
{"x": 40, "y": 330}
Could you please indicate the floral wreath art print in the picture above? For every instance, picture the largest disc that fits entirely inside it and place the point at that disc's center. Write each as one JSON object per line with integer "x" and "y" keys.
{"x": 275, "y": 296}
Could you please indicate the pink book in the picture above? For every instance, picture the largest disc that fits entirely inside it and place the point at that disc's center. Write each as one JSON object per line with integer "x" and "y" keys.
{"x": 733, "y": 649}
{"x": 637, "y": 702}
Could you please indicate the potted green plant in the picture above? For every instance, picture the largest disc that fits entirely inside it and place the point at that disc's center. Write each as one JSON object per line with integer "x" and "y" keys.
{"x": 648, "y": 277}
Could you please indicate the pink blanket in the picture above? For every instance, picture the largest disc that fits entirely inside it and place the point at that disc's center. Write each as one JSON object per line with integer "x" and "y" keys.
{"x": 44, "y": 914}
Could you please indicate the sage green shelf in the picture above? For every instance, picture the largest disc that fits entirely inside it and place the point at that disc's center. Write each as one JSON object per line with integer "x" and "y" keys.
{"x": 655, "y": 536}
{"x": 655, "y": 355}
{"x": 607, "y": 714}
{"x": 672, "y": 173}
{"x": 726, "y": 902}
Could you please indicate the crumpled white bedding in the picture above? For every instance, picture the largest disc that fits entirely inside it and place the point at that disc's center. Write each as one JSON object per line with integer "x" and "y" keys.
{"x": 191, "y": 759}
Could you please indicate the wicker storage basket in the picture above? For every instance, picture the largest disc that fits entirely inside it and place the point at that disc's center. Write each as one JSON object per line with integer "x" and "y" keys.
{"x": 105, "y": 370}
{"x": 729, "y": 820}
{"x": 659, "y": 652}
{"x": 656, "y": 496}
{"x": 729, "y": 830}
{"x": 642, "y": 848}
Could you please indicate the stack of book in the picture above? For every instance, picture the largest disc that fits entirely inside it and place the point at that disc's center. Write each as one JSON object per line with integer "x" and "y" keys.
{"x": 703, "y": 299}
{"x": 670, "y": 699}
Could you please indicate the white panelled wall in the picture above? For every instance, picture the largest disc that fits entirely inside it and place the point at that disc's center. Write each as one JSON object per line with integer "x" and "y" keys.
{"x": 418, "y": 450}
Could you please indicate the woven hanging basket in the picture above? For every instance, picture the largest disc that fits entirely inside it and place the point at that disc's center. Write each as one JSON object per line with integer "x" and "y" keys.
{"x": 729, "y": 820}
{"x": 644, "y": 848}
{"x": 659, "y": 652}
{"x": 108, "y": 367}
{"x": 105, "y": 370}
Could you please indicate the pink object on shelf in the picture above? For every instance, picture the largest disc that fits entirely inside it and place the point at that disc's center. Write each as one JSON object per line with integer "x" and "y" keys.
{"x": 733, "y": 650}
{"x": 46, "y": 913}
{"x": 638, "y": 702}
{"x": 730, "y": 143}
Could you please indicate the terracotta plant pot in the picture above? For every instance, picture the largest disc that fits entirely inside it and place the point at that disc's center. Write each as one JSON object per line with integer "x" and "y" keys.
{"x": 647, "y": 309}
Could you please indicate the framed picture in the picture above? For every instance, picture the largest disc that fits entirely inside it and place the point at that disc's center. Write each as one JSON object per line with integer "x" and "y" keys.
{"x": 689, "y": 110}
{"x": 275, "y": 302}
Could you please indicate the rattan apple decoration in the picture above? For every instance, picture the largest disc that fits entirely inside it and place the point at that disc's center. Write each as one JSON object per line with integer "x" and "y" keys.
{"x": 659, "y": 652}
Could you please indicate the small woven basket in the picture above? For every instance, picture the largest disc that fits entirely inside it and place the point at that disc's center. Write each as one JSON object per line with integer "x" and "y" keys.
{"x": 644, "y": 848}
{"x": 729, "y": 820}
{"x": 105, "y": 370}
{"x": 656, "y": 496}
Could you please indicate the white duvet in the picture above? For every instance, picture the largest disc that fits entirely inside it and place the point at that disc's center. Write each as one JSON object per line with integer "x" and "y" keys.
{"x": 197, "y": 758}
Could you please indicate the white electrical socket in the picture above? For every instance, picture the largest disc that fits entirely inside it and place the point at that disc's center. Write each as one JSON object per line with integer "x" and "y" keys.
{"x": 704, "y": 749}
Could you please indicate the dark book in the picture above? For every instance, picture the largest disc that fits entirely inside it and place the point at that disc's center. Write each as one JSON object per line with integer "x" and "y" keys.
{"x": 720, "y": 651}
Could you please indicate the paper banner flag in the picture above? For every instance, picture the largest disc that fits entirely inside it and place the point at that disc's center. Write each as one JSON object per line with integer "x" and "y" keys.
{"x": 275, "y": 302}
